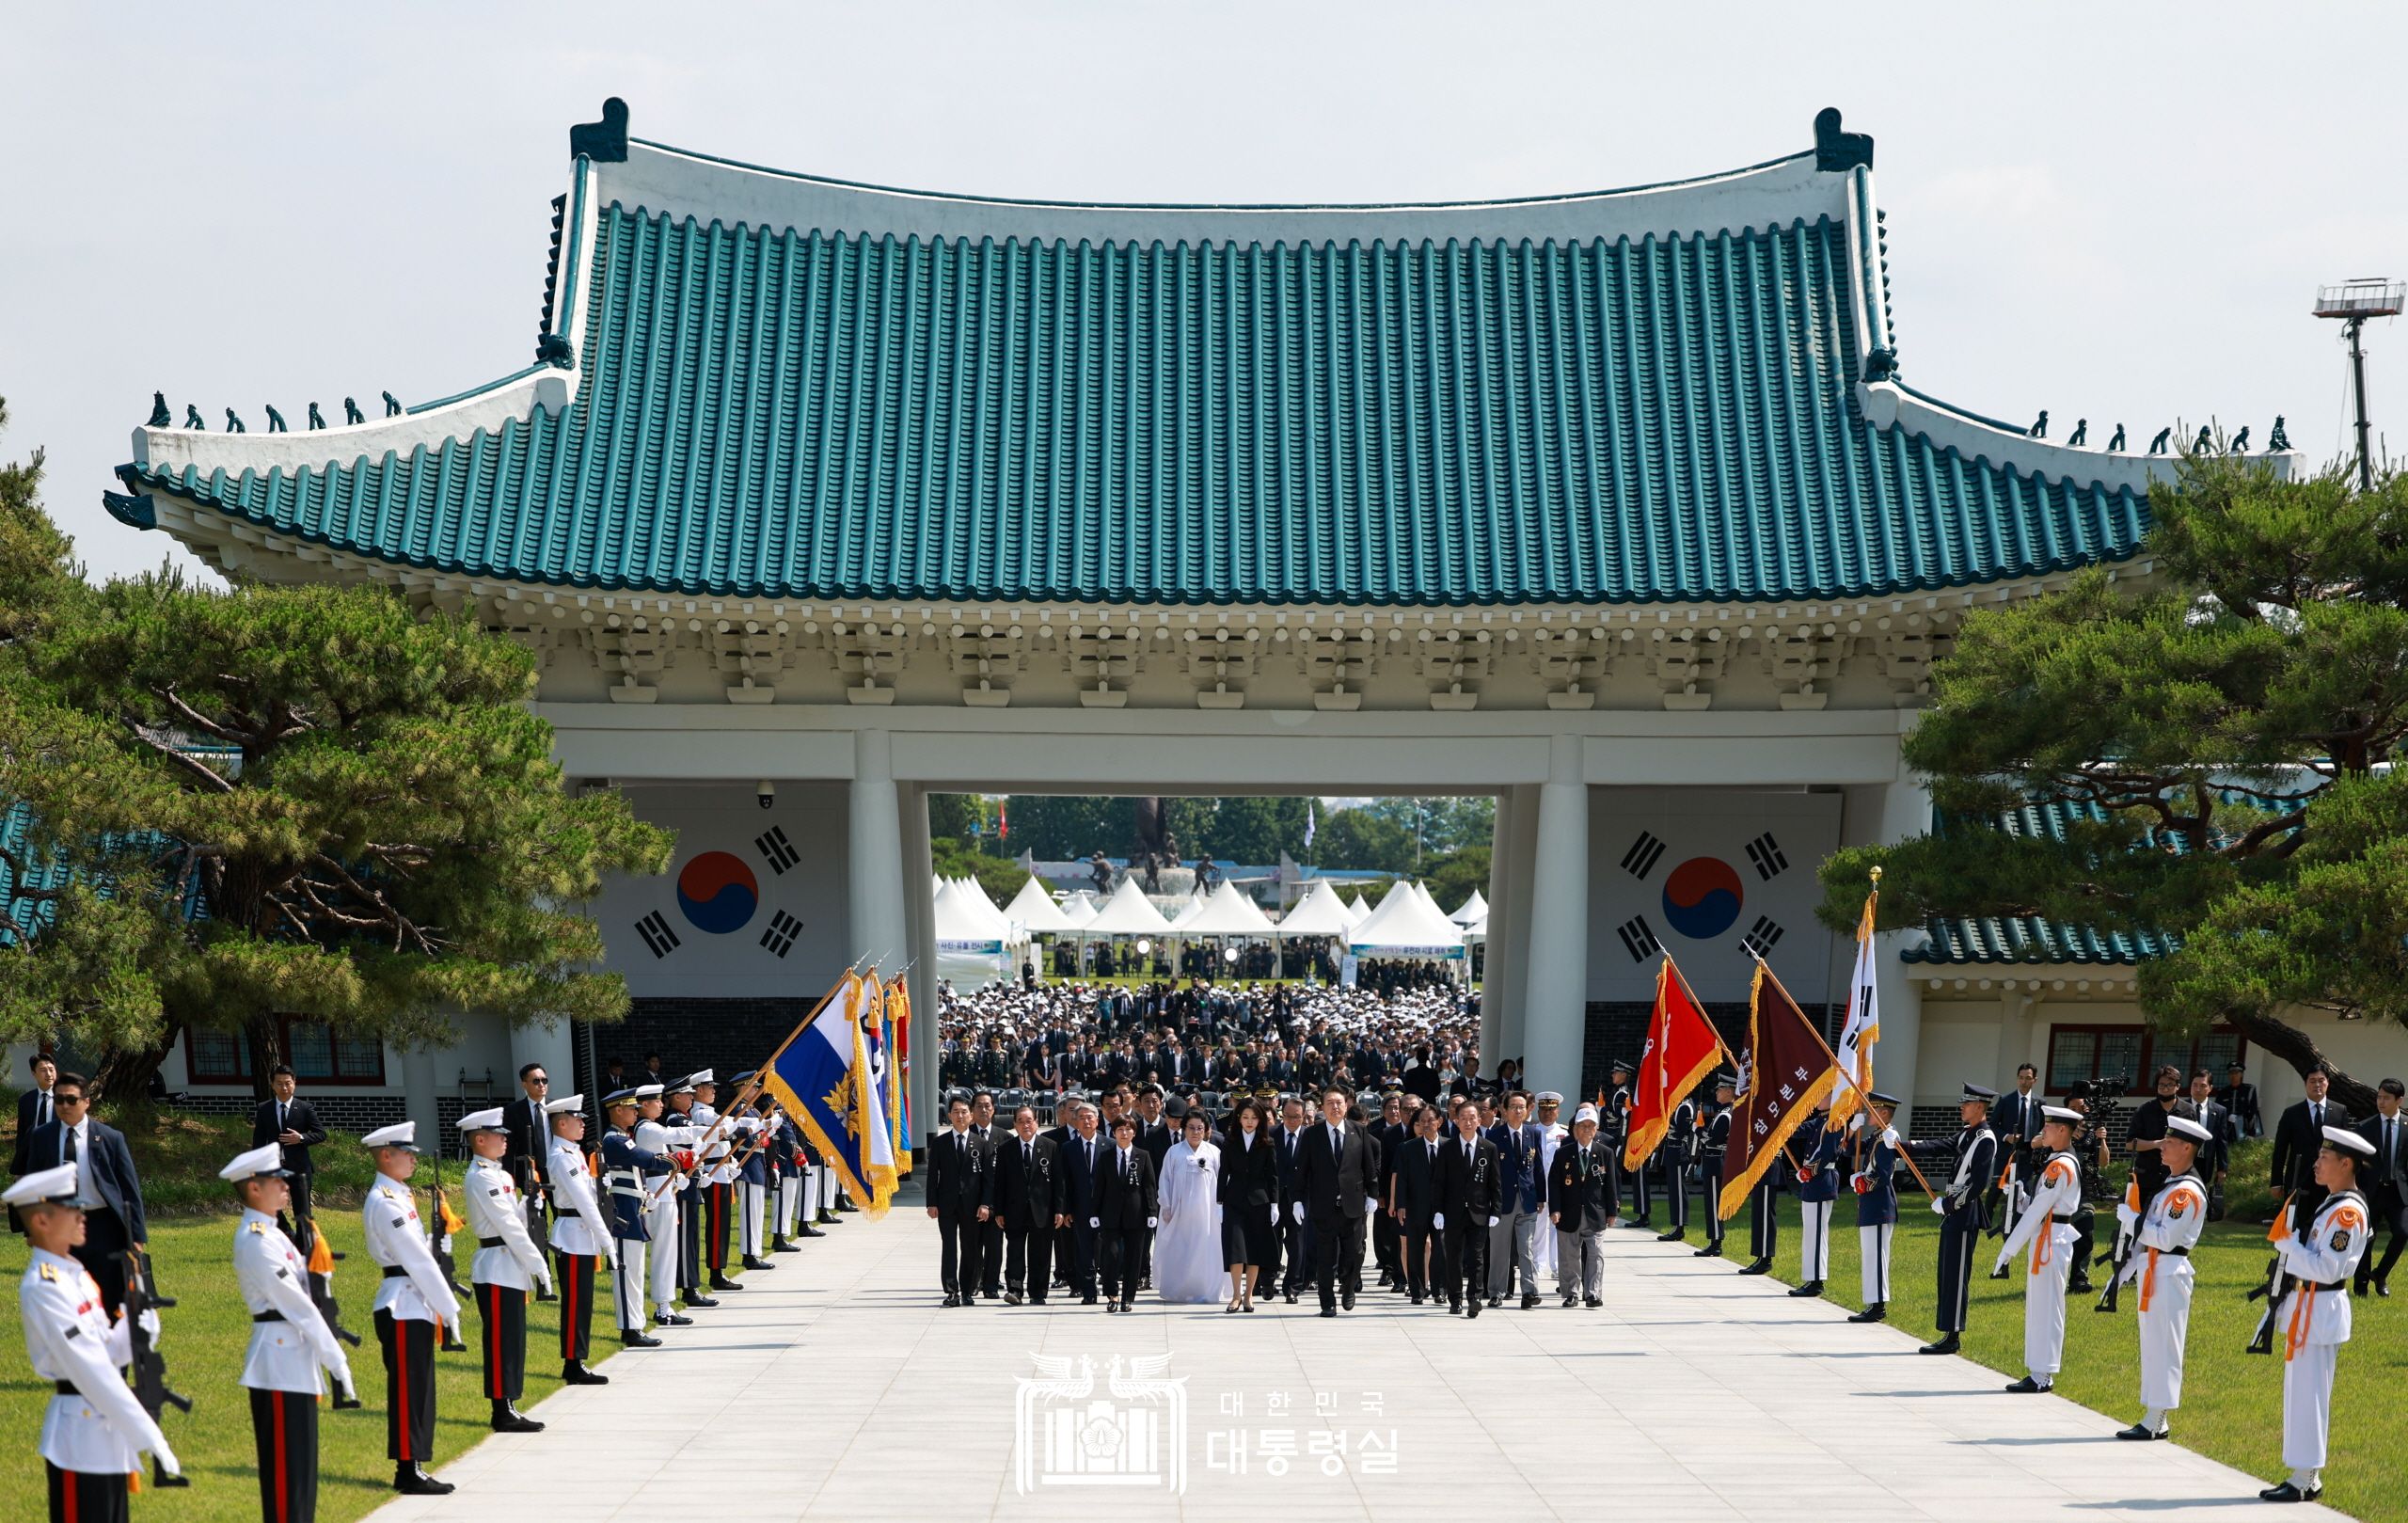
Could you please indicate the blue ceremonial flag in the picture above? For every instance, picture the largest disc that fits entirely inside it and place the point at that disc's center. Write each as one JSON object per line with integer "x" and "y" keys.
{"x": 824, "y": 1077}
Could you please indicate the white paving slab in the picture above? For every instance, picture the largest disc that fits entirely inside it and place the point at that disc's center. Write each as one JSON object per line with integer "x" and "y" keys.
{"x": 838, "y": 1387}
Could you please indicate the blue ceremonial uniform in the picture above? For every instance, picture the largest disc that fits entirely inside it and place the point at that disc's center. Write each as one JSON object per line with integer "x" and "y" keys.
{"x": 1821, "y": 1185}
{"x": 1877, "y": 1220}
{"x": 626, "y": 1172}
{"x": 1816, "y": 1190}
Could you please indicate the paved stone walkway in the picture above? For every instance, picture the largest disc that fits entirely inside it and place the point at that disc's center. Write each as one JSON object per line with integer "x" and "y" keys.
{"x": 838, "y": 1387}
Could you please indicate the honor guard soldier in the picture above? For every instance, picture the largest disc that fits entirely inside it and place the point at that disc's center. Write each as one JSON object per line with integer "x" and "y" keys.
{"x": 1679, "y": 1152}
{"x": 1874, "y": 1183}
{"x": 580, "y": 1235}
{"x": 1961, "y": 1215}
{"x": 664, "y": 1132}
{"x": 629, "y": 1175}
{"x": 507, "y": 1266}
{"x": 1818, "y": 1192}
{"x": 1713, "y": 1143}
{"x": 1617, "y": 1130}
{"x": 290, "y": 1341}
{"x": 2161, "y": 1265}
{"x": 786, "y": 1198}
{"x": 411, "y": 1300}
{"x": 753, "y": 1187}
{"x": 715, "y": 1179}
{"x": 94, "y": 1431}
{"x": 2046, "y": 1229}
{"x": 2315, "y": 1315}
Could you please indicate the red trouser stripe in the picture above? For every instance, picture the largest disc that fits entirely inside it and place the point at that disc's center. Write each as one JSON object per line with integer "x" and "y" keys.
{"x": 284, "y": 1468}
{"x": 67, "y": 1494}
{"x": 568, "y": 1305}
{"x": 401, "y": 1402}
{"x": 493, "y": 1343}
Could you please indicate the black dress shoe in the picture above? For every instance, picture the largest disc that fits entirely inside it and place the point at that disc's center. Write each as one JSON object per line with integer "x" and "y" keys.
{"x": 412, "y": 1482}
{"x": 693, "y": 1300}
{"x": 671, "y": 1319}
{"x": 1455, "y": 1309}
{"x": 1712, "y": 1250}
{"x": 1675, "y": 1235}
{"x": 752, "y": 1263}
{"x": 576, "y": 1373}
{"x": 1011, "y": 1298}
{"x": 951, "y": 1299}
{"x": 721, "y": 1283}
{"x": 1944, "y": 1343}
{"x": 1592, "y": 1302}
{"x": 630, "y": 1338}
{"x": 1757, "y": 1266}
{"x": 2288, "y": 1493}
{"x": 1329, "y": 1311}
{"x": 779, "y": 1245}
{"x": 1347, "y": 1301}
{"x": 1291, "y": 1298}
{"x": 1495, "y": 1302}
{"x": 2143, "y": 1432}
{"x": 2080, "y": 1285}
{"x": 808, "y": 1230}
{"x": 1878, "y": 1311}
{"x": 1813, "y": 1287}
{"x": 1088, "y": 1299}
{"x": 1471, "y": 1308}
{"x": 1570, "y": 1301}
{"x": 507, "y": 1419}
{"x": 1530, "y": 1299}
{"x": 2029, "y": 1385}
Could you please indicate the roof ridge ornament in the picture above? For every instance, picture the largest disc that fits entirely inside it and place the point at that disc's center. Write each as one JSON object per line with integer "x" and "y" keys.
{"x": 606, "y": 141}
{"x": 1836, "y": 150}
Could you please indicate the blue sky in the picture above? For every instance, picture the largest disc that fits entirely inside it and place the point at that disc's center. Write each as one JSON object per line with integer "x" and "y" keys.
{"x": 2113, "y": 212}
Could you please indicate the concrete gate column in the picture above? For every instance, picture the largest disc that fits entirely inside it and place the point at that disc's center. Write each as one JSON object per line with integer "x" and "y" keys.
{"x": 1496, "y": 982}
{"x": 874, "y": 854}
{"x": 919, "y": 901}
{"x": 1556, "y": 975}
{"x": 1905, "y": 812}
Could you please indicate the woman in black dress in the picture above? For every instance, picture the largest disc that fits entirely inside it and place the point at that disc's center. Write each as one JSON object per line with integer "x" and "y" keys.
{"x": 1249, "y": 1204}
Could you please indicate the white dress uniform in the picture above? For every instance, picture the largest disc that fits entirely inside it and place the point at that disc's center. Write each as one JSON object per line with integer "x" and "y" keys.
{"x": 2160, "y": 1265}
{"x": 498, "y": 1219}
{"x": 397, "y": 1240}
{"x": 413, "y": 1301}
{"x": 1542, "y": 1258}
{"x": 580, "y": 1225}
{"x": 99, "y": 1428}
{"x": 661, "y": 1214}
{"x": 2046, "y": 1229}
{"x": 288, "y": 1348}
{"x": 2314, "y": 1320}
{"x": 748, "y": 1197}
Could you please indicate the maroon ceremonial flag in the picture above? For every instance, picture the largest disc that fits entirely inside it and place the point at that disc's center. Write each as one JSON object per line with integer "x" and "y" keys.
{"x": 1784, "y": 1072}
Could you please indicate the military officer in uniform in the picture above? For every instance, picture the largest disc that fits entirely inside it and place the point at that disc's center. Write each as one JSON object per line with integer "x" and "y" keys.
{"x": 1678, "y": 1151}
{"x": 507, "y": 1266}
{"x": 580, "y": 1234}
{"x": 1874, "y": 1183}
{"x": 411, "y": 1300}
{"x": 2169, "y": 1227}
{"x": 683, "y": 1226}
{"x": 630, "y": 1174}
{"x": 2315, "y": 1315}
{"x": 753, "y": 1189}
{"x": 1819, "y": 1194}
{"x": 715, "y": 1179}
{"x": 662, "y": 1131}
{"x": 1617, "y": 1131}
{"x": 1961, "y": 1215}
{"x": 290, "y": 1342}
{"x": 2046, "y": 1227}
{"x": 93, "y": 1432}
{"x": 1713, "y": 1143}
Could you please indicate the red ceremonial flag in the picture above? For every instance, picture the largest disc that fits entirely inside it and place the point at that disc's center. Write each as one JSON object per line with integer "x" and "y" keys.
{"x": 1785, "y": 1070}
{"x": 1681, "y": 1048}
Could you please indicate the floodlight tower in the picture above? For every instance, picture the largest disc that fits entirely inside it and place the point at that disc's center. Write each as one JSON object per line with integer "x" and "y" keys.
{"x": 2352, "y": 302}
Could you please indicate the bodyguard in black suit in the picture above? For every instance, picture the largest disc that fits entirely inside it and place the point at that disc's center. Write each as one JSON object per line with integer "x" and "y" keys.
{"x": 1028, "y": 1192}
{"x": 1295, "y": 1234}
{"x": 2016, "y": 1122}
{"x": 116, "y": 1221}
{"x": 960, "y": 1199}
{"x": 2384, "y": 1179}
{"x": 1082, "y": 1157}
{"x": 1338, "y": 1168}
{"x": 1466, "y": 1184}
{"x": 1126, "y": 1204}
{"x": 34, "y": 1112}
{"x": 292, "y": 1124}
{"x": 2300, "y": 1132}
{"x": 1413, "y": 1200}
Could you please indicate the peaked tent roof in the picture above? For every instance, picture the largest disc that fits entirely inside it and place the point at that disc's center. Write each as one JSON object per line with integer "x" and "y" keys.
{"x": 758, "y": 384}
{"x": 1079, "y": 909}
{"x": 1128, "y": 912}
{"x": 1034, "y": 909}
{"x": 967, "y": 919}
{"x": 1319, "y": 913}
{"x": 1471, "y": 912}
{"x": 1406, "y": 924}
{"x": 1227, "y": 912}
{"x": 1357, "y": 910}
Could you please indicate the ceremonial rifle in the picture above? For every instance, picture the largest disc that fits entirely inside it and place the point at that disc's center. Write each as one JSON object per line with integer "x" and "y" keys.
{"x": 150, "y": 1368}
{"x": 322, "y": 1290}
{"x": 441, "y": 1223}
{"x": 2128, "y": 1238}
{"x": 2277, "y": 1282}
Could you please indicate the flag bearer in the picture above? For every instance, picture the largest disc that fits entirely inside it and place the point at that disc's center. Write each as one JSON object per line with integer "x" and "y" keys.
{"x": 508, "y": 1264}
{"x": 580, "y": 1236}
{"x": 1818, "y": 1193}
{"x": 412, "y": 1299}
{"x": 2161, "y": 1265}
{"x": 630, "y": 1173}
{"x": 2046, "y": 1229}
{"x": 290, "y": 1341}
{"x": 1877, "y": 1203}
{"x": 93, "y": 1432}
{"x": 1961, "y": 1214}
{"x": 2315, "y": 1315}
{"x": 665, "y": 1132}
{"x": 1713, "y": 1142}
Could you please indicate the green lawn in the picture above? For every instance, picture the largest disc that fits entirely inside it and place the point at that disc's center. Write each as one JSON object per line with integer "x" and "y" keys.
{"x": 2232, "y": 1402}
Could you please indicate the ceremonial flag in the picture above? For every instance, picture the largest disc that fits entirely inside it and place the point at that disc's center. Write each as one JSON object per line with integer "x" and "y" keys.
{"x": 1784, "y": 1069}
{"x": 1681, "y": 1048}
{"x": 1308, "y": 824}
{"x": 1863, "y": 1027}
{"x": 823, "y": 1077}
{"x": 898, "y": 1064}
{"x": 1002, "y": 819}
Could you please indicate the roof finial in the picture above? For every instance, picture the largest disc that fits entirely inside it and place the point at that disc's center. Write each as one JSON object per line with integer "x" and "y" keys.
{"x": 2241, "y": 440}
{"x": 159, "y": 416}
{"x": 2116, "y": 441}
{"x": 351, "y": 413}
{"x": 235, "y": 423}
{"x": 1835, "y": 150}
{"x": 2278, "y": 439}
{"x": 192, "y": 417}
{"x": 2204, "y": 442}
{"x": 392, "y": 408}
{"x": 317, "y": 418}
{"x": 275, "y": 418}
{"x": 604, "y": 141}
{"x": 2039, "y": 429}
{"x": 2079, "y": 436}
{"x": 2157, "y": 445}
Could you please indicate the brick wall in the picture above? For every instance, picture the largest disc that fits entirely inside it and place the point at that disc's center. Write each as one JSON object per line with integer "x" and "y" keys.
{"x": 726, "y": 1036}
{"x": 336, "y": 1112}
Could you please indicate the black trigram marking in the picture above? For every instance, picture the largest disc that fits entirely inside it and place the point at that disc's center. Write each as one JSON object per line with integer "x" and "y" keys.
{"x": 657, "y": 935}
{"x": 1643, "y": 855}
{"x": 781, "y": 935}
{"x": 1766, "y": 853}
{"x": 1637, "y": 939}
{"x": 1762, "y": 939}
{"x": 776, "y": 850}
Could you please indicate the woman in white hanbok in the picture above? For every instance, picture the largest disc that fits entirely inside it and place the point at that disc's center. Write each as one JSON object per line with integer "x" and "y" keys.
{"x": 1187, "y": 1245}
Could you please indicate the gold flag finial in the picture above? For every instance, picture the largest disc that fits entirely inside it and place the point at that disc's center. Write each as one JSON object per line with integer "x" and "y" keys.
{"x": 1876, "y": 878}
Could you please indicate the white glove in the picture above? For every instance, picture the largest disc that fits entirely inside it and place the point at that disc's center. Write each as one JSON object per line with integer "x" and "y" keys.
{"x": 1856, "y": 1122}
{"x": 1372, "y": 1204}
{"x": 166, "y": 1458}
{"x": 1492, "y": 1221}
{"x": 1274, "y": 1214}
{"x": 343, "y": 1382}
{"x": 1939, "y": 1205}
{"x": 1438, "y": 1220}
{"x": 2000, "y": 1267}
{"x": 1299, "y": 1209}
{"x": 453, "y": 1318}
{"x": 1095, "y": 1221}
{"x": 149, "y": 1323}
{"x": 1152, "y": 1221}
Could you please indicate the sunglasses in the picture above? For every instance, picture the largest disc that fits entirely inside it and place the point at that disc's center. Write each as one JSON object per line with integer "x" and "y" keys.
{"x": 66, "y": 1099}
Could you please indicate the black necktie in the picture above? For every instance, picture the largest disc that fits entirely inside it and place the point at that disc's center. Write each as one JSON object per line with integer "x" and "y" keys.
{"x": 1028, "y": 1155}
{"x": 70, "y": 1148}
{"x": 42, "y": 1107}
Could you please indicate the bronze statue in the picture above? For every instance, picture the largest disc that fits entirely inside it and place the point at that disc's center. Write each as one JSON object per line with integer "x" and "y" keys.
{"x": 2241, "y": 440}
{"x": 2157, "y": 445}
{"x": 317, "y": 418}
{"x": 233, "y": 423}
{"x": 2115, "y": 444}
{"x": 2278, "y": 439}
{"x": 351, "y": 413}
{"x": 1100, "y": 872}
{"x": 275, "y": 419}
{"x": 392, "y": 409}
{"x": 2040, "y": 426}
{"x": 2204, "y": 442}
{"x": 2080, "y": 434}
{"x": 192, "y": 417}
{"x": 159, "y": 416}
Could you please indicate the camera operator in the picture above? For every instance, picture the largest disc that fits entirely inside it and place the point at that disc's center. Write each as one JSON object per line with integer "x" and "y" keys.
{"x": 2089, "y": 1148}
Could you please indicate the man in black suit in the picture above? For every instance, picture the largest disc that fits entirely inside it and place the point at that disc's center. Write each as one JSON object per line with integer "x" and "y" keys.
{"x": 1581, "y": 1204}
{"x": 34, "y": 1112}
{"x": 1127, "y": 1205}
{"x": 2238, "y": 1098}
{"x": 2016, "y": 1123}
{"x": 1028, "y": 1207}
{"x": 1295, "y": 1234}
{"x": 530, "y": 1150}
{"x": 960, "y": 1199}
{"x": 2384, "y": 1179}
{"x": 1413, "y": 1200}
{"x": 1466, "y": 1185}
{"x": 292, "y": 1125}
{"x": 2300, "y": 1132}
{"x": 1338, "y": 1168}
{"x": 115, "y": 1222}
{"x": 1080, "y": 1155}
{"x": 2214, "y": 1157}
{"x": 1155, "y": 1136}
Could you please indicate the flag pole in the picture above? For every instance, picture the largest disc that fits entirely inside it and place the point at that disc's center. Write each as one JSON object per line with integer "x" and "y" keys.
{"x": 1840, "y": 1068}
{"x": 756, "y": 1087}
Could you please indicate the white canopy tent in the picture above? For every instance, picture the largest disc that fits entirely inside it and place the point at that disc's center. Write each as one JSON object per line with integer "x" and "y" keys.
{"x": 1079, "y": 909}
{"x": 1407, "y": 925}
{"x": 973, "y": 939}
{"x": 1319, "y": 913}
{"x": 1227, "y": 912}
{"x": 1356, "y": 910}
{"x": 1035, "y": 911}
{"x": 1473, "y": 910}
{"x": 1128, "y": 912}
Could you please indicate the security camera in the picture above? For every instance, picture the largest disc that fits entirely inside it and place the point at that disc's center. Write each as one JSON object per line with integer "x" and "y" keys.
{"x": 767, "y": 794}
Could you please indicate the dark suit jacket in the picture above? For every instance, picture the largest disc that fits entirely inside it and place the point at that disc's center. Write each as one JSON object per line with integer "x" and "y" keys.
{"x": 1417, "y": 1180}
{"x": 2296, "y": 1140}
{"x": 2018, "y": 1120}
{"x": 299, "y": 1116}
{"x": 2379, "y": 1172}
{"x": 1586, "y": 1197}
{"x": 1077, "y": 1190}
{"x": 962, "y": 1175}
{"x": 1466, "y": 1192}
{"x": 531, "y": 1140}
{"x": 1249, "y": 1176}
{"x": 1125, "y": 1196}
{"x": 1156, "y": 1140}
{"x": 1027, "y": 1196}
{"x": 1334, "y": 1183}
{"x": 107, "y": 1172}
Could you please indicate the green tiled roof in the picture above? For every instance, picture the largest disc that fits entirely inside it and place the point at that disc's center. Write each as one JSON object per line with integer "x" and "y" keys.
{"x": 819, "y": 413}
